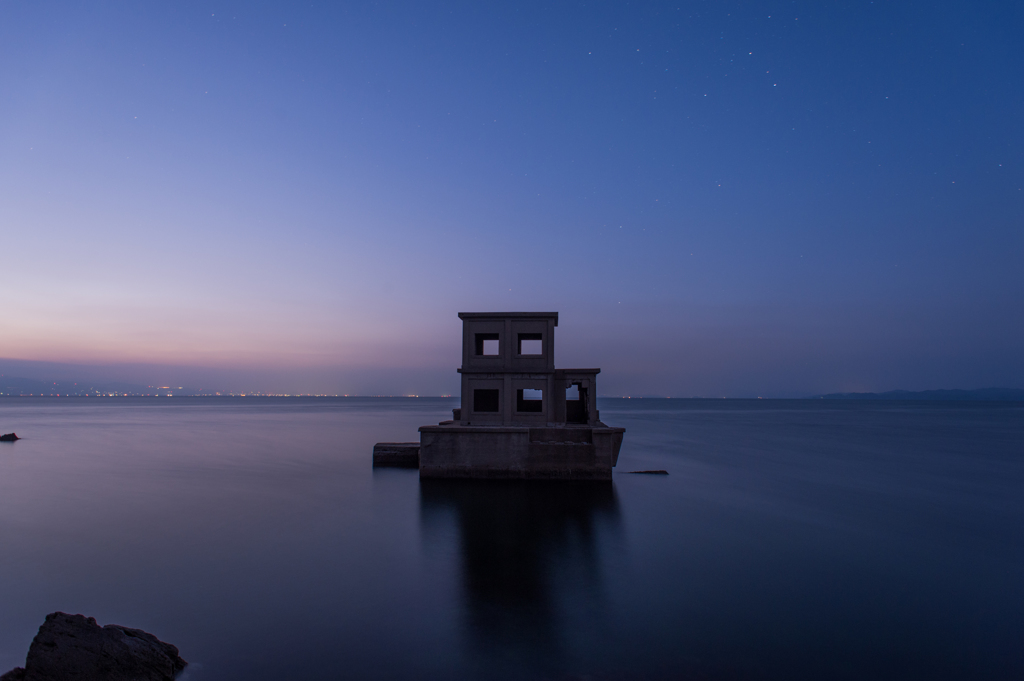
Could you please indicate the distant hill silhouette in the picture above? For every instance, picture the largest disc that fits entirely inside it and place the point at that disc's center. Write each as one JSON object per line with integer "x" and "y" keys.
{"x": 982, "y": 394}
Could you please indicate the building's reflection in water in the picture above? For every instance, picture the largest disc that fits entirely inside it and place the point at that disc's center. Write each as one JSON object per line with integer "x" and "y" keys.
{"x": 530, "y": 564}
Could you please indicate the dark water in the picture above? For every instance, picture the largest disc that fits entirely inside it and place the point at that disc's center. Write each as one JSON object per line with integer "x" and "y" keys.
{"x": 791, "y": 540}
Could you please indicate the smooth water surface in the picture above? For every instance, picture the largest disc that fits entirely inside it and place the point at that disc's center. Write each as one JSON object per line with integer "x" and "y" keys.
{"x": 791, "y": 540}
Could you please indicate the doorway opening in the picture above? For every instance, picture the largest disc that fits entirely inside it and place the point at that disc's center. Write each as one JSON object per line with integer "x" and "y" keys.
{"x": 577, "y": 409}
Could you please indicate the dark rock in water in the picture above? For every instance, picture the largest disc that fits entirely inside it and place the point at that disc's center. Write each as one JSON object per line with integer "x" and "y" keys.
{"x": 9, "y": 437}
{"x": 75, "y": 648}
{"x": 650, "y": 472}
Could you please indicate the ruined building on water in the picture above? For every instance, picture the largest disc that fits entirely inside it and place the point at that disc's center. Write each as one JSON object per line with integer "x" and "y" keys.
{"x": 520, "y": 416}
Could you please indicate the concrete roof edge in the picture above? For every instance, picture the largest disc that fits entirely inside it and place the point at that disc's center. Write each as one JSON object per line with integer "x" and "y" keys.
{"x": 506, "y": 315}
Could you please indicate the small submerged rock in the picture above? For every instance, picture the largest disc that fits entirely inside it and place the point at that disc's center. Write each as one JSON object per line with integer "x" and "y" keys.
{"x": 9, "y": 437}
{"x": 649, "y": 472}
{"x": 75, "y": 648}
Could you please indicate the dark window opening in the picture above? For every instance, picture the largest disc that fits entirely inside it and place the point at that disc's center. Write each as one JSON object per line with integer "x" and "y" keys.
{"x": 576, "y": 408}
{"x": 531, "y": 344}
{"x": 486, "y": 401}
{"x": 487, "y": 344}
{"x": 528, "y": 400}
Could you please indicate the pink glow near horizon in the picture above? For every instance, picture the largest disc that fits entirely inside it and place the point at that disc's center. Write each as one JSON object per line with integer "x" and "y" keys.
{"x": 312, "y": 206}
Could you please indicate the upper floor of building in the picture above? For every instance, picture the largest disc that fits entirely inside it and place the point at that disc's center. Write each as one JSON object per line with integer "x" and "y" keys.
{"x": 508, "y": 342}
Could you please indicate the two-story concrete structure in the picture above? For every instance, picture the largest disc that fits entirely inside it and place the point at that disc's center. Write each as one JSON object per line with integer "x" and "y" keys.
{"x": 520, "y": 416}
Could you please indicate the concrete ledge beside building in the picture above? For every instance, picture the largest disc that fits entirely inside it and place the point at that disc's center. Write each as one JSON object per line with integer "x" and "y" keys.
{"x": 396, "y": 455}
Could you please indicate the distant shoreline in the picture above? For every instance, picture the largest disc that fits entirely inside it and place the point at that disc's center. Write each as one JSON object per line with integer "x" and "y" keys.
{"x": 227, "y": 395}
{"x": 981, "y": 395}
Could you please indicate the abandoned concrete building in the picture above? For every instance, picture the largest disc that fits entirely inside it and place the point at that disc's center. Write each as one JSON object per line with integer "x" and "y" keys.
{"x": 520, "y": 416}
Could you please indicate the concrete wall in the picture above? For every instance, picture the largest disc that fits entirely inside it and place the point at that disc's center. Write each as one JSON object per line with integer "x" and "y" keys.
{"x": 518, "y": 452}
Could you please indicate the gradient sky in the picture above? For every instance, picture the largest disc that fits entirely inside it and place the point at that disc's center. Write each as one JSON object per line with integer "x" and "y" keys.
{"x": 720, "y": 198}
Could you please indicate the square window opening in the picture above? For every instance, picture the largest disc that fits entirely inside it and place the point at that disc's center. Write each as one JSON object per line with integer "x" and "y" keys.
{"x": 486, "y": 401}
{"x": 529, "y": 400}
{"x": 487, "y": 344}
{"x": 531, "y": 344}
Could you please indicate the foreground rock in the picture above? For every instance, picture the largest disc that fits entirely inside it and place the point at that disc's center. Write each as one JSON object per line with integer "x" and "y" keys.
{"x": 75, "y": 648}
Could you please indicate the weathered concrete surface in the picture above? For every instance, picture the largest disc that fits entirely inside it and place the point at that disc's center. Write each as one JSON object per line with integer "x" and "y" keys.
{"x": 75, "y": 648}
{"x": 396, "y": 455}
{"x": 519, "y": 452}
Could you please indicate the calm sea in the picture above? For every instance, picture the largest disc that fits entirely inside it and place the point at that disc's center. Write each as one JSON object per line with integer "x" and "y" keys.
{"x": 791, "y": 540}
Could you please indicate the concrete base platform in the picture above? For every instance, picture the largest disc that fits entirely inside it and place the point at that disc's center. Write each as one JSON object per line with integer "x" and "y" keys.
{"x": 567, "y": 452}
{"x": 396, "y": 455}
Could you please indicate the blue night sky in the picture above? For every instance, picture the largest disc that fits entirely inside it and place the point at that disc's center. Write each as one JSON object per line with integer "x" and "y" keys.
{"x": 720, "y": 198}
